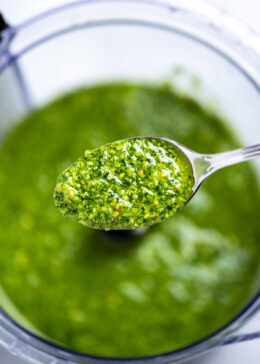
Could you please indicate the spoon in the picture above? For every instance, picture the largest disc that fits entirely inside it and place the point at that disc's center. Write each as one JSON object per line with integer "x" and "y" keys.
{"x": 136, "y": 182}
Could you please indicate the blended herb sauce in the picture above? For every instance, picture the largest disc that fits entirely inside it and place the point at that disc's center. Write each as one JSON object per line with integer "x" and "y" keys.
{"x": 178, "y": 282}
{"x": 127, "y": 184}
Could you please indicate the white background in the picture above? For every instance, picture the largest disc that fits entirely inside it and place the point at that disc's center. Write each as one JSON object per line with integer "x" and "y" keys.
{"x": 16, "y": 11}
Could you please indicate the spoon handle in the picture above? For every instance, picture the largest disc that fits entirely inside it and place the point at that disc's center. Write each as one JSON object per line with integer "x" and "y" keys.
{"x": 221, "y": 160}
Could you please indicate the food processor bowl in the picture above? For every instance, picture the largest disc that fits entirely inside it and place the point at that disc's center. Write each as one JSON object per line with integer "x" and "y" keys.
{"x": 201, "y": 48}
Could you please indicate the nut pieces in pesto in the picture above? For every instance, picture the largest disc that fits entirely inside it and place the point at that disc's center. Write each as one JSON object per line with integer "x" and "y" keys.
{"x": 127, "y": 184}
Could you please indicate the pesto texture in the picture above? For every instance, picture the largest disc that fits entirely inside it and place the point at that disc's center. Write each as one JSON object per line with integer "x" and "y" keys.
{"x": 175, "y": 284}
{"x": 127, "y": 184}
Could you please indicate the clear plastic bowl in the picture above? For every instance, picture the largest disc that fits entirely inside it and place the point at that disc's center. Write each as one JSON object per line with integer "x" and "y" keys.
{"x": 84, "y": 42}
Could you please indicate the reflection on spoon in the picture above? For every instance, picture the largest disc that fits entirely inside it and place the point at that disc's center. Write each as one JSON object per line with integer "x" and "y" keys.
{"x": 137, "y": 182}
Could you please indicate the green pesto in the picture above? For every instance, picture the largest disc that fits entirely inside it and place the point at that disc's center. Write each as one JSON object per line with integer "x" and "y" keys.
{"x": 178, "y": 282}
{"x": 127, "y": 184}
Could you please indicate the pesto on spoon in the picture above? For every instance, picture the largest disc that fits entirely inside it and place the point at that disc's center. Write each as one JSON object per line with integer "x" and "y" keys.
{"x": 127, "y": 184}
{"x": 136, "y": 182}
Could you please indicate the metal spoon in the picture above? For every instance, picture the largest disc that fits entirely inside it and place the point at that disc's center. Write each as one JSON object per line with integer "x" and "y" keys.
{"x": 71, "y": 191}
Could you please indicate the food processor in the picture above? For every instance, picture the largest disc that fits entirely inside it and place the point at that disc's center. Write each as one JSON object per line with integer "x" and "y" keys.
{"x": 206, "y": 53}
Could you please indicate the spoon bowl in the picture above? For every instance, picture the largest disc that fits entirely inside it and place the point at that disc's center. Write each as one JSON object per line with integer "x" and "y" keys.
{"x": 137, "y": 182}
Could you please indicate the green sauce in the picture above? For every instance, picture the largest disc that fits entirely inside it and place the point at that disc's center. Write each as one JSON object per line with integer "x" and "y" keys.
{"x": 125, "y": 185}
{"x": 178, "y": 282}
